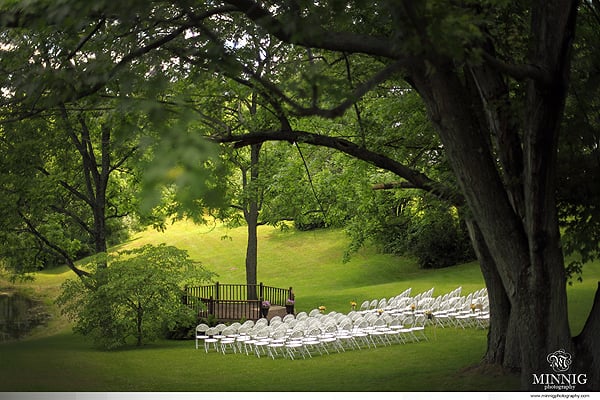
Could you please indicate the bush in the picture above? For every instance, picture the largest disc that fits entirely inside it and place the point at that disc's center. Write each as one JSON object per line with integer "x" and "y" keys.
{"x": 430, "y": 231}
{"x": 309, "y": 221}
{"x": 134, "y": 295}
{"x": 438, "y": 240}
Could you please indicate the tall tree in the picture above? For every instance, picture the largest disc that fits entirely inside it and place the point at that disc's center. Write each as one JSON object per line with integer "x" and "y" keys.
{"x": 60, "y": 183}
{"x": 505, "y": 164}
{"x": 493, "y": 77}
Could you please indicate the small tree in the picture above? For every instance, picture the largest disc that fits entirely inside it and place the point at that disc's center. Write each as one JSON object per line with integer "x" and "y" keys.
{"x": 138, "y": 295}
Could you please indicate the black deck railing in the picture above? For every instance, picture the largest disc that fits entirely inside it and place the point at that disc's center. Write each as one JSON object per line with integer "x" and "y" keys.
{"x": 234, "y": 301}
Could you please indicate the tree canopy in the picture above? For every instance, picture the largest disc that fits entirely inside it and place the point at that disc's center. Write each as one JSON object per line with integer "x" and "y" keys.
{"x": 506, "y": 87}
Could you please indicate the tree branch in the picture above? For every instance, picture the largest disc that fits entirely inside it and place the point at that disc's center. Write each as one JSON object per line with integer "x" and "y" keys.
{"x": 74, "y": 217}
{"x": 521, "y": 71}
{"x": 298, "y": 109}
{"x": 305, "y": 33}
{"x": 86, "y": 38}
{"x": 393, "y": 185}
{"x": 339, "y": 110}
{"x": 71, "y": 189}
{"x": 125, "y": 157}
{"x": 68, "y": 260}
{"x": 416, "y": 178}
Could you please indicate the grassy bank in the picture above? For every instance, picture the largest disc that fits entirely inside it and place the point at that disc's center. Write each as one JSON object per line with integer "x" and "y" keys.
{"x": 54, "y": 359}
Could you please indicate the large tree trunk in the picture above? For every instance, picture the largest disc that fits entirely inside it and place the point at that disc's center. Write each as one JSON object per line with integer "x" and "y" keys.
{"x": 503, "y": 345}
{"x": 543, "y": 310}
{"x": 525, "y": 248}
{"x": 526, "y": 254}
{"x": 587, "y": 350}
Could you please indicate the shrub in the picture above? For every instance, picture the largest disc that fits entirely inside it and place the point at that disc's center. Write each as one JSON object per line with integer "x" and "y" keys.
{"x": 438, "y": 240}
{"x": 135, "y": 294}
{"x": 424, "y": 228}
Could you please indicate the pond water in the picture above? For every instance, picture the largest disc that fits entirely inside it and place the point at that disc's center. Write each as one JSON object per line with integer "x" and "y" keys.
{"x": 19, "y": 314}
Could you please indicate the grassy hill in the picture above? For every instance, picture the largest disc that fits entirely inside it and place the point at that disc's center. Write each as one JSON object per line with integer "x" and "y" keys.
{"x": 312, "y": 263}
{"x": 54, "y": 359}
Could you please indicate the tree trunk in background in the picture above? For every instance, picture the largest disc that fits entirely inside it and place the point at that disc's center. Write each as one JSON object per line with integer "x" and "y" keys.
{"x": 251, "y": 258}
{"x": 251, "y": 211}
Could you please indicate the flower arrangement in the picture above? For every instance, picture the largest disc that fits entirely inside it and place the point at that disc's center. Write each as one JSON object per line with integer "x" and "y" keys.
{"x": 265, "y": 304}
{"x": 380, "y": 311}
{"x": 353, "y": 304}
{"x": 322, "y": 308}
{"x": 290, "y": 302}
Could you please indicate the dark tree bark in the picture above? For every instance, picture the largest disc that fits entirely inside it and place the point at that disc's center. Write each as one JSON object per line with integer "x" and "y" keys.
{"x": 587, "y": 351}
{"x": 503, "y": 345}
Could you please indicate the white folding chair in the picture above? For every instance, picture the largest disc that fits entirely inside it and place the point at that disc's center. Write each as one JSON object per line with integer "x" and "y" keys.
{"x": 211, "y": 339}
{"x": 201, "y": 333}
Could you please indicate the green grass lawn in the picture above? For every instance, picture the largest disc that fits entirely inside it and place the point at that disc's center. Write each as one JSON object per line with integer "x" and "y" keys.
{"x": 54, "y": 359}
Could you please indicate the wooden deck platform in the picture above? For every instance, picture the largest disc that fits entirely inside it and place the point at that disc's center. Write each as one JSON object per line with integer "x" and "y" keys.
{"x": 238, "y": 312}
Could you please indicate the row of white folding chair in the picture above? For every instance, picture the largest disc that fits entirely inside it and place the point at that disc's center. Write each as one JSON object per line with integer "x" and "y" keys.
{"x": 322, "y": 336}
{"x": 246, "y": 342}
{"x": 402, "y": 295}
{"x": 374, "y": 304}
{"x": 201, "y": 329}
{"x": 299, "y": 340}
{"x": 422, "y": 302}
{"x": 222, "y": 339}
{"x": 339, "y": 317}
{"x": 204, "y": 332}
{"x": 456, "y": 292}
{"x": 407, "y": 321}
{"x": 435, "y": 304}
{"x": 288, "y": 317}
{"x": 451, "y": 302}
{"x": 425, "y": 294}
{"x": 461, "y": 312}
{"x": 406, "y": 298}
{"x": 448, "y": 310}
{"x": 472, "y": 319}
{"x": 392, "y": 302}
{"x": 401, "y": 328}
{"x": 285, "y": 318}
